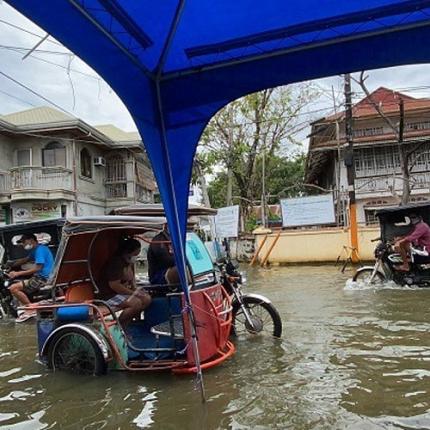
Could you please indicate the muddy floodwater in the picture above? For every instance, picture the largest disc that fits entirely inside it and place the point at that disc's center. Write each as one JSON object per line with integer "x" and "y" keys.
{"x": 350, "y": 358}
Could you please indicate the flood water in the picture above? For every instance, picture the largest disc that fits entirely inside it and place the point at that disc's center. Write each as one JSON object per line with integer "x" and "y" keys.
{"x": 349, "y": 358}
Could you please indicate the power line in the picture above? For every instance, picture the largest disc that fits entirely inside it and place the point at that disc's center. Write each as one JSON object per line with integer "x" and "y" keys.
{"x": 17, "y": 98}
{"x": 34, "y": 92}
{"x": 44, "y": 60}
{"x": 17, "y": 27}
{"x": 41, "y": 51}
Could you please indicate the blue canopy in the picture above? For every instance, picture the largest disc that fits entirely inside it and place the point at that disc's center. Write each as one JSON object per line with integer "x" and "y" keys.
{"x": 175, "y": 63}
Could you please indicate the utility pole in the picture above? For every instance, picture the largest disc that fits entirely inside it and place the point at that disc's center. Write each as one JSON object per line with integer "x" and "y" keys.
{"x": 404, "y": 159}
{"x": 263, "y": 189}
{"x": 349, "y": 164}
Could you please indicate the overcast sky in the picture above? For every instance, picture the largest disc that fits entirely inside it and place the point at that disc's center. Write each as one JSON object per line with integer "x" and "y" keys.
{"x": 75, "y": 87}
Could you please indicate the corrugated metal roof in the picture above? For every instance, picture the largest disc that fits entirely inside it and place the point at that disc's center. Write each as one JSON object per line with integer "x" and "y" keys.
{"x": 388, "y": 101}
{"x": 116, "y": 134}
{"x": 38, "y": 115}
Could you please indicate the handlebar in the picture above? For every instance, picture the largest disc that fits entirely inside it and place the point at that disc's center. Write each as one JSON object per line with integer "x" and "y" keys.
{"x": 376, "y": 239}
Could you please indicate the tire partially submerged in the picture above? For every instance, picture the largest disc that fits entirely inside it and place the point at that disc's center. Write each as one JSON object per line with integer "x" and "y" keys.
{"x": 265, "y": 317}
{"x": 75, "y": 351}
{"x": 364, "y": 276}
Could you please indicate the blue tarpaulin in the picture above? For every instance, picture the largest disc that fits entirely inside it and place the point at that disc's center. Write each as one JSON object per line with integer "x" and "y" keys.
{"x": 176, "y": 63}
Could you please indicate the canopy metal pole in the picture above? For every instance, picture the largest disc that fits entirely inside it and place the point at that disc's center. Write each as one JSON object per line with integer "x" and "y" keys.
{"x": 194, "y": 340}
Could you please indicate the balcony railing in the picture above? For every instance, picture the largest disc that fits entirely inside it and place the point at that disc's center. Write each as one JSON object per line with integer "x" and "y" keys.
{"x": 116, "y": 190}
{"x": 388, "y": 183}
{"x": 4, "y": 183}
{"x": 40, "y": 178}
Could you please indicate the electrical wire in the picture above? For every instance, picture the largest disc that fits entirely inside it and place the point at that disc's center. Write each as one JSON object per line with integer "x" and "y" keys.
{"x": 17, "y": 27}
{"x": 17, "y": 98}
{"x": 34, "y": 92}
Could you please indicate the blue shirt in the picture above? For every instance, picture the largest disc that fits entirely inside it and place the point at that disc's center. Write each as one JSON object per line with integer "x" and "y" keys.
{"x": 42, "y": 255}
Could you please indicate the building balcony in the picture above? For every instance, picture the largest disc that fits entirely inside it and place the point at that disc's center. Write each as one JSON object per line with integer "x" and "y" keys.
{"x": 40, "y": 183}
{"x": 386, "y": 184}
{"x": 5, "y": 185}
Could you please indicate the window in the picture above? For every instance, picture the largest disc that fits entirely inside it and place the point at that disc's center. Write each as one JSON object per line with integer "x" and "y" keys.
{"x": 376, "y": 161}
{"x": 116, "y": 178}
{"x": 86, "y": 166}
{"x": 371, "y": 131}
{"x": 23, "y": 157}
{"x": 420, "y": 125}
{"x": 371, "y": 218}
{"x": 54, "y": 154}
{"x": 115, "y": 169}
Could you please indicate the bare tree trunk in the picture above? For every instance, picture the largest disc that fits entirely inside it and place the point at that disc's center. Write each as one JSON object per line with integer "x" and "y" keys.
{"x": 229, "y": 187}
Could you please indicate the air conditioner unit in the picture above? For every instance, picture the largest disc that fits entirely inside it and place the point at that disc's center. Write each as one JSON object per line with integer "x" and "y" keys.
{"x": 99, "y": 161}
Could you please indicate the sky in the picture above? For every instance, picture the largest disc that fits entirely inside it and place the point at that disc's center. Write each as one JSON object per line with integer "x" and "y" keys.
{"x": 63, "y": 79}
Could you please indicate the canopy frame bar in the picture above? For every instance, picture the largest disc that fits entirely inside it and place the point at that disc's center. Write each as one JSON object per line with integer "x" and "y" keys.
{"x": 124, "y": 50}
{"x": 251, "y": 58}
{"x": 169, "y": 39}
{"x": 309, "y": 27}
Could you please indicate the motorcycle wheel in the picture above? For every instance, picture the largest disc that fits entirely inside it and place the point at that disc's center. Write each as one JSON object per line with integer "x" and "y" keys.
{"x": 365, "y": 275}
{"x": 265, "y": 317}
{"x": 75, "y": 351}
{"x": 8, "y": 307}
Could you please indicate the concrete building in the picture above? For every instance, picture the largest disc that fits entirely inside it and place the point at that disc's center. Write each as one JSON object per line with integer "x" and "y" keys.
{"x": 53, "y": 164}
{"x": 378, "y": 175}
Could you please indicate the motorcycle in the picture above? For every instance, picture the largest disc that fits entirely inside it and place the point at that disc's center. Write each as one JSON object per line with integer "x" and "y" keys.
{"x": 8, "y": 304}
{"x": 387, "y": 261}
{"x": 252, "y": 313}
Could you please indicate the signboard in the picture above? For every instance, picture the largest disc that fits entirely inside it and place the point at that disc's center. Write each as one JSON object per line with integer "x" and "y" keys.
{"x": 227, "y": 222}
{"x": 39, "y": 210}
{"x": 312, "y": 210}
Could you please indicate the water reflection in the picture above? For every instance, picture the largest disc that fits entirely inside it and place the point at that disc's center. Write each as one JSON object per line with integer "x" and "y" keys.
{"x": 349, "y": 359}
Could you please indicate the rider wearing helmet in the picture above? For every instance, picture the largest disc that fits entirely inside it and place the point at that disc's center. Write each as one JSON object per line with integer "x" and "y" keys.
{"x": 419, "y": 236}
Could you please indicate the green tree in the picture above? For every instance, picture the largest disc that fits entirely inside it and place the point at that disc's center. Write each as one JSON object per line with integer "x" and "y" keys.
{"x": 240, "y": 134}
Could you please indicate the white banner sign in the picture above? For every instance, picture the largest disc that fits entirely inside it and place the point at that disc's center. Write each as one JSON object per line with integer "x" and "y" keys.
{"x": 308, "y": 211}
{"x": 227, "y": 222}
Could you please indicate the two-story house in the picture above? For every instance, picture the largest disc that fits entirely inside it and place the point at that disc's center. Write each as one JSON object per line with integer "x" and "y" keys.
{"x": 53, "y": 164}
{"x": 378, "y": 176}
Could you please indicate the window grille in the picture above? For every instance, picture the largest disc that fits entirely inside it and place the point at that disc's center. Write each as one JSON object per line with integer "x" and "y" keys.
{"x": 368, "y": 131}
{"x": 419, "y": 125}
{"x": 371, "y": 218}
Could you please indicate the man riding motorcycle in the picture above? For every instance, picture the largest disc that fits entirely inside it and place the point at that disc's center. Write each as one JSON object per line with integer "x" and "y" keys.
{"x": 419, "y": 236}
{"x": 37, "y": 275}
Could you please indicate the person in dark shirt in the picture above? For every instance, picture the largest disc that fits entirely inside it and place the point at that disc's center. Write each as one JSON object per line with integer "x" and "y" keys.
{"x": 161, "y": 261}
{"x": 118, "y": 283}
{"x": 419, "y": 236}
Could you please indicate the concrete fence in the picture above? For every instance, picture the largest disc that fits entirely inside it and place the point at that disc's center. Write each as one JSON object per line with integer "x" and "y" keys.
{"x": 311, "y": 246}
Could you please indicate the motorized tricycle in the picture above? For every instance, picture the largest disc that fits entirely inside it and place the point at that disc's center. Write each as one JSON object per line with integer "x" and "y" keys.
{"x": 47, "y": 232}
{"x": 81, "y": 333}
{"x": 395, "y": 222}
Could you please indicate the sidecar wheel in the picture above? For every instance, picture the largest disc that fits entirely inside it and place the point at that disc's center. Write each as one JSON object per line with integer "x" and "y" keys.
{"x": 75, "y": 351}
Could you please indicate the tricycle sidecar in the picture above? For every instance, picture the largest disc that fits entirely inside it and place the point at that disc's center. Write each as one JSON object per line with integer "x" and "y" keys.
{"x": 82, "y": 333}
